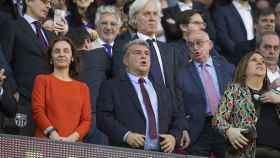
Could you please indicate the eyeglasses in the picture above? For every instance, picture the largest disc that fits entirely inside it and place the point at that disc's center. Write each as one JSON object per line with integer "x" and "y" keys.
{"x": 198, "y": 23}
{"x": 198, "y": 43}
{"x": 106, "y": 24}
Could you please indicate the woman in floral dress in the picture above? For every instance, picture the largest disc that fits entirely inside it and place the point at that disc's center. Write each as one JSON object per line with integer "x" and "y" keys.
{"x": 237, "y": 113}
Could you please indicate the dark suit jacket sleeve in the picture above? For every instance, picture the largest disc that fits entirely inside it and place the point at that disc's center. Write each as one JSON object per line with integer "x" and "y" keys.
{"x": 7, "y": 103}
{"x": 105, "y": 119}
{"x": 7, "y": 40}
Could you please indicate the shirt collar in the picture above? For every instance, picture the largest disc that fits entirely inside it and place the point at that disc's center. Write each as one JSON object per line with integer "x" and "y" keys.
{"x": 144, "y": 37}
{"x": 239, "y": 6}
{"x": 209, "y": 63}
{"x": 29, "y": 19}
{"x": 102, "y": 42}
{"x": 185, "y": 5}
{"x": 135, "y": 79}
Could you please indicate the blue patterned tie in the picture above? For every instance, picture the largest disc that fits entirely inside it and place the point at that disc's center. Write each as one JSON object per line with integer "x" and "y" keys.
{"x": 108, "y": 49}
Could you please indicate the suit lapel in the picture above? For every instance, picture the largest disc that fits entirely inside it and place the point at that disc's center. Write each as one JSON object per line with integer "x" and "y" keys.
{"x": 239, "y": 19}
{"x": 164, "y": 58}
{"x": 194, "y": 74}
{"x": 128, "y": 87}
{"x": 220, "y": 74}
{"x": 25, "y": 27}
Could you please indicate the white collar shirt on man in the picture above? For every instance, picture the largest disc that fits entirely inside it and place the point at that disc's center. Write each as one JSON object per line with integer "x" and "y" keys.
{"x": 273, "y": 75}
{"x": 31, "y": 21}
{"x": 184, "y": 6}
{"x": 247, "y": 18}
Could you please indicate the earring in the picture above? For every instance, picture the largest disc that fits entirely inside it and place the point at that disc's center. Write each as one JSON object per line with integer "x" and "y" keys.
{"x": 51, "y": 62}
{"x": 72, "y": 59}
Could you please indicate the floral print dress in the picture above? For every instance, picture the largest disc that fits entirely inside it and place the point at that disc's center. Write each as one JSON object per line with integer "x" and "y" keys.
{"x": 237, "y": 110}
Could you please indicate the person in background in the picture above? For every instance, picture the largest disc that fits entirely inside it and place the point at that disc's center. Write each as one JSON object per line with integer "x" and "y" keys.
{"x": 8, "y": 105}
{"x": 61, "y": 105}
{"x": 24, "y": 41}
{"x": 234, "y": 24}
{"x": 83, "y": 15}
{"x": 268, "y": 145}
{"x": 168, "y": 19}
{"x": 92, "y": 61}
{"x": 269, "y": 47}
{"x": 277, "y": 19}
{"x": 108, "y": 23}
{"x": 237, "y": 115}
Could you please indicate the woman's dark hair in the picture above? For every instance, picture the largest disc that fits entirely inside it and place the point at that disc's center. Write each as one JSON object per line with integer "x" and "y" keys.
{"x": 240, "y": 72}
{"x": 74, "y": 67}
{"x": 75, "y": 18}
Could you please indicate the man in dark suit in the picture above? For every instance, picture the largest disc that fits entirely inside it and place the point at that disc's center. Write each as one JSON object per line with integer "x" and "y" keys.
{"x": 234, "y": 24}
{"x": 202, "y": 82}
{"x": 95, "y": 67}
{"x": 144, "y": 16}
{"x": 24, "y": 44}
{"x": 133, "y": 112}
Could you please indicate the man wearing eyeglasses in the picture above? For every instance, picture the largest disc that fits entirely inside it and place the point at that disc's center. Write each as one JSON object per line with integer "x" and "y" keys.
{"x": 202, "y": 82}
{"x": 25, "y": 43}
{"x": 108, "y": 23}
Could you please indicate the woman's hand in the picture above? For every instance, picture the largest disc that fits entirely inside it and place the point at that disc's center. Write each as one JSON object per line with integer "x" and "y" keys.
{"x": 237, "y": 140}
{"x": 270, "y": 97}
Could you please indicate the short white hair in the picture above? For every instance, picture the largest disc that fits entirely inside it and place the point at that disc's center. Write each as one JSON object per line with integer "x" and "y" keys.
{"x": 138, "y": 5}
{"x": 109, "y": 9}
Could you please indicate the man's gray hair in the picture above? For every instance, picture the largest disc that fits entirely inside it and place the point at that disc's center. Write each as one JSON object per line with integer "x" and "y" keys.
{"x": 109, "y": 9}
{"x": 138, "y": 5}
{"x": 259, "y": 40}
{"x": 135, "y": 42}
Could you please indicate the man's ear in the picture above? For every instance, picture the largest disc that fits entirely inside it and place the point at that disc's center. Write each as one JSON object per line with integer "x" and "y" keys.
{"x": 183, "y": 28}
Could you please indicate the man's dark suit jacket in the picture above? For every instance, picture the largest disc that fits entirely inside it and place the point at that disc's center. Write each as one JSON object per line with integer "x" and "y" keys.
{"x": 119, "y": 111}
{"x": 192, "y": 91}
{"x": 230, "y": 30}
{"x": 169, "y": 61}
{"x": 95, "y": 68}
{"x": 25, "y": 55}
{"x": 172, "y": 31}
{"x": 27, "y": 59}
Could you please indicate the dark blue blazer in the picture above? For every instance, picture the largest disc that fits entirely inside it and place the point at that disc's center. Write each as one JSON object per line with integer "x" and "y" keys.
{"x": 192, "y": 92}
{"x": 168, "y": 55}
{"x": 25, "y": 54}
{"x": 119, "y": 111}
{"x": 95, "y": 67}
{"x": 230, "y": 29}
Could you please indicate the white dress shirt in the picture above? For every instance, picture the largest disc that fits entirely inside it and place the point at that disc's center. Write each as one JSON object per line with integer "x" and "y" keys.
{"x": 246, "y": 16}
